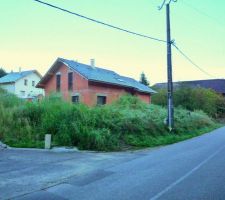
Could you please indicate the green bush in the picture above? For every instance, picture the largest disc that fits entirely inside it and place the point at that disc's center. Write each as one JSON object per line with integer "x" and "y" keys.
{"x": 8, "y": 100}
{"x": 98, "y": 139}
{"x": 160, "y": 98}
{"x": 128, "y": 122}
{"x": 192, "y": 99}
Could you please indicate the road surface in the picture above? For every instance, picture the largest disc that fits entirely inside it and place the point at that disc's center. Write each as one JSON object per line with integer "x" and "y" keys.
{"x": 192, "y": 169}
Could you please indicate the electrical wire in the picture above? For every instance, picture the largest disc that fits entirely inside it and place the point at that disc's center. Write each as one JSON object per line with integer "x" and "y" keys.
{"x": 203, "y": 13}
{"x": 192, "y": 62}
{"x": 100, "y": 22}
{"x": 125, "y": 30}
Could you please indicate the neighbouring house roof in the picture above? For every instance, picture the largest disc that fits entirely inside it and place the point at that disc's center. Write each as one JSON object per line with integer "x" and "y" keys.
{"x": 215, "y": 84}
{"x": 15, "y": 76}
{"x": 97, "y": 74}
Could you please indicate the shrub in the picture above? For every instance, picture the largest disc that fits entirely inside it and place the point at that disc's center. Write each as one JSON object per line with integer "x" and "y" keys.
{"x": 8, "y": 100}
{"x": 127, "y": 121}
{"x": 160, "y": 98}
{"x": 98, "y": 139}
{"x": 192, "y": 99}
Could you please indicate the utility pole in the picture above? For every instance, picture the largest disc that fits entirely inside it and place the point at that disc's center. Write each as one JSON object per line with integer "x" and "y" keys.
{"x": 170, "y": 108}
{"x": 170, "y": 116}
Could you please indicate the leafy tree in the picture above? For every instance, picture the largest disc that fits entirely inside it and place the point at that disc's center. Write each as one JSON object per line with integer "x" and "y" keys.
{"x": 192, "y": 99}
{"x": 2, "y": 72}
{"x": 143, "y": 79}
{"x": 160, "y": 98}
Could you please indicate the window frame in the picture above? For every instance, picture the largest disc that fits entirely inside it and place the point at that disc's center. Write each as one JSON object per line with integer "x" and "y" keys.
{"x": 58, "y": 82}
{"x": 25, "y": 82}
{"x": 103, "y": 100}
{"x": 75, "y": 96}
{"x": 70, "y": 81}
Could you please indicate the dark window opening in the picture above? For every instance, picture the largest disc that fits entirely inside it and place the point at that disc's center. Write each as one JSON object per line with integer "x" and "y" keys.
{"x": 58, "y": 82}
{"x": 70, "y": 81}
{"x": 101, "y": 100}
{"x": 75, "y": 99}
{"x": 25, "y": 81}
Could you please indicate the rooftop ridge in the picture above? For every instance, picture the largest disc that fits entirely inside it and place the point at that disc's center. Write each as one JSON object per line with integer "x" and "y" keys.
{"x": 103, "y": 75}
{"x": 215, "y": 79}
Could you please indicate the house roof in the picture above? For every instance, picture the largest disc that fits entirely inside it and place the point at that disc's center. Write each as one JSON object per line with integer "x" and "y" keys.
{"x": 14, "y": 76}
{"x": 216, "y": 84}
{"x": 97, "y": 74}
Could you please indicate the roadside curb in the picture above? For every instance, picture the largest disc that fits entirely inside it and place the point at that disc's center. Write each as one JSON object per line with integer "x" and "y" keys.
{"x": 55, "y": 149}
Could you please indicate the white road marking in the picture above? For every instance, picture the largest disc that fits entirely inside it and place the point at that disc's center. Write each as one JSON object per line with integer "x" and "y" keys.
{"x": 157, "y": 196}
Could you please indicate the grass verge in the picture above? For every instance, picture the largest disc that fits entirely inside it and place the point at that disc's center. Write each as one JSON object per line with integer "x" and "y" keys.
{"x": 126, "y": 122}
{"x": 149, "y": 141}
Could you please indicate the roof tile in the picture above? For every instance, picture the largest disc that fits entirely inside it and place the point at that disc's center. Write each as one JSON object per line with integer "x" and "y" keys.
{"x": 14, "y": 76}
{"x": 107, "y": 76}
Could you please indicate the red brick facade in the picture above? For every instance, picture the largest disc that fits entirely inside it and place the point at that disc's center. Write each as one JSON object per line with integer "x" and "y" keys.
{"x": 87, "y": 90}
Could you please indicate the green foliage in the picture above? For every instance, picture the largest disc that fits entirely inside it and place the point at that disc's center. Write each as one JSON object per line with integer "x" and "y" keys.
{"x": 143, "y": 79}
{"x": 149, "y": 141}
{"x": 8, "y": 100}
{"x": 98, "y": 139}
{"x": 194, "y": 99}
{"x": 129, "y": 102}
{"x": 128, "y": 122}
{"x": 160, "y": 98}
{"x": 2, "y": 72}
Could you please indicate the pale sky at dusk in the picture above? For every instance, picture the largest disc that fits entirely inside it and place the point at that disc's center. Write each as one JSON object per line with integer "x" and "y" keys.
{"x": 34, "y": 35}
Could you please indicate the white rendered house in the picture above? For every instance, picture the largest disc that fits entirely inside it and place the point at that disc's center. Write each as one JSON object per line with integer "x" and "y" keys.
{"x": 22, "y": 84}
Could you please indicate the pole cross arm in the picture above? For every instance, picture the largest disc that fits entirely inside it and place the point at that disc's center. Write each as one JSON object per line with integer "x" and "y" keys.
{"x": 164, "y": 2}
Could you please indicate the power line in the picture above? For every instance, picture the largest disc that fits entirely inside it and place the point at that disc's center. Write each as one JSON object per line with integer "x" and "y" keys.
{"x": 181, "y": 52}
{"x": 100, "y": 22}
{"x": 124, "y": 30}
{"x": 203, "y": 13}
{"x": 192, "y": 62}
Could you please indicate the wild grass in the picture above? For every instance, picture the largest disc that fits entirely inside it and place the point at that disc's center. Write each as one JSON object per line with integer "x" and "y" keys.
{"x": 127, "y": 121}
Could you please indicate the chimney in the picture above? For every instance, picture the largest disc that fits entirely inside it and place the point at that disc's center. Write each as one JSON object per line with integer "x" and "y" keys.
{"x": 92, "y": 61}
{"x": 19, "y": 69}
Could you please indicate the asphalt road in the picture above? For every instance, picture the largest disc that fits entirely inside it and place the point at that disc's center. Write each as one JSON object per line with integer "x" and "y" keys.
{"x": 193, "y": 169}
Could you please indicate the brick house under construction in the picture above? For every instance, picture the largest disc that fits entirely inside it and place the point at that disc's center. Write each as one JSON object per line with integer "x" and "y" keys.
{"x": 89, "y": 84}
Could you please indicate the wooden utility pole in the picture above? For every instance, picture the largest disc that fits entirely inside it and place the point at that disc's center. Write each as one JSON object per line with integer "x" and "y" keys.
{"x": 170, "y": 116}
{"x": 170, "y": 108}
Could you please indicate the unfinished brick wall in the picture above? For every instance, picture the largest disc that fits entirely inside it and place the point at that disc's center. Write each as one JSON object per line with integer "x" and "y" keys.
{"x": 88, "y": 91}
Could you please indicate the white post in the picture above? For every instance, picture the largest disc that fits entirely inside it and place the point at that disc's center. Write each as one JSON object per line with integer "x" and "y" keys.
{"x": 47, "y": 141}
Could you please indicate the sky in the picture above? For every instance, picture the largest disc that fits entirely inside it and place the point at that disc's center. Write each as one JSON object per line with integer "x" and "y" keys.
{"x": 33, "y": 35}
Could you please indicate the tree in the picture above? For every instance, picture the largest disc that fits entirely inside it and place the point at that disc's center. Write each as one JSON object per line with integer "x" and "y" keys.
{"x": 143, "y": 79}
{"x": 192, "y": 99}
{"x": 2, "y": 72}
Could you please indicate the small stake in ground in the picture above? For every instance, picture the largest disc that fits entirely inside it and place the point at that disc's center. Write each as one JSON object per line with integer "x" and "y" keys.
{"x": 48, "y": 138}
